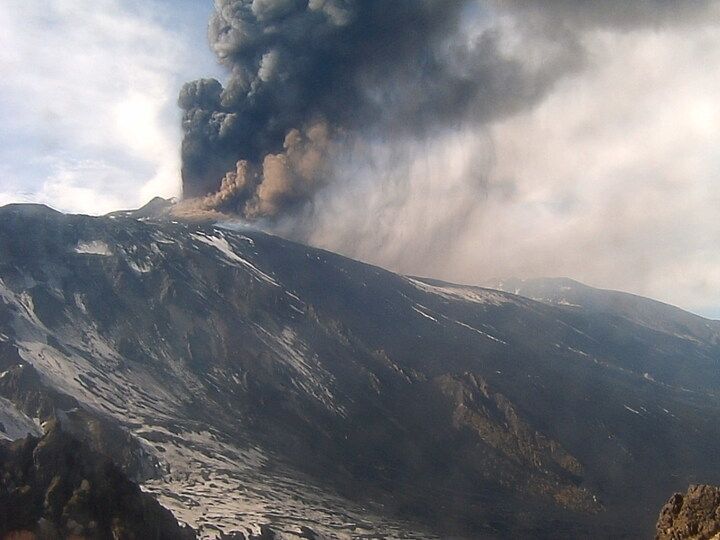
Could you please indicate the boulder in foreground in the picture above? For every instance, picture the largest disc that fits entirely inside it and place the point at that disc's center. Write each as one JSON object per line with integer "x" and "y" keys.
{"x": 56, "y": 487}
{"x": 694, "y": 515}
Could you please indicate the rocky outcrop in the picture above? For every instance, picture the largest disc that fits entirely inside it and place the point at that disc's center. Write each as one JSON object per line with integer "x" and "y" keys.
{"x": 55, "y": 487}
{"x": 548, "y": 469}
{"x": 694, "y": 515}
{"x": 24, "y": 387}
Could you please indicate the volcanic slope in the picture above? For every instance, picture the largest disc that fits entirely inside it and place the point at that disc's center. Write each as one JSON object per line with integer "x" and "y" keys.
{"x": 248, "y": 380}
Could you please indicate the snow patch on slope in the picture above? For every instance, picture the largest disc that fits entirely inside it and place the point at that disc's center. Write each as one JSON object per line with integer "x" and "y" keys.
{"x": 140, "y": 267}
{"x": 312, "y": 378}
{"x": 215, "y": 485}
{"x": 94, "y": 247}
{"x": 14, "y": 424}
{"x": 422, "y": 310}
{"x": 484, "y": 334}
{"x": 220, "y": 243}
{"x": 474, "y": 295}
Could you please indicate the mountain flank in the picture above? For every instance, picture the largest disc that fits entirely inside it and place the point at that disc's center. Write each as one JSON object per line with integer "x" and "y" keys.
{"x": 247, "y": 381}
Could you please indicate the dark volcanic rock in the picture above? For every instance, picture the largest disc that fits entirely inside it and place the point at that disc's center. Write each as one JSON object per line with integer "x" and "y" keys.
{"x": 694, "y": 515}
{"x": 56, "y": 487}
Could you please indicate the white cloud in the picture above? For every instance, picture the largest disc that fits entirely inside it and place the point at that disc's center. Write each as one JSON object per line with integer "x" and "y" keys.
{"x": 67, "y": 189}
{"x": 90, "y": 81}
{"x": 8, "y": 198}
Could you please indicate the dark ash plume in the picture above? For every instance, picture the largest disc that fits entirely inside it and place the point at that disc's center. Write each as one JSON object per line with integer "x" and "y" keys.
{"x": 579, "y": 15}
{"x": 307, "y": 76}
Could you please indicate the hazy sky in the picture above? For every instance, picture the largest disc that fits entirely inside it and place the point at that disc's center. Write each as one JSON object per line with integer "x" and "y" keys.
{"x": 611, "y": 176}
{"x": 88, "y": 98}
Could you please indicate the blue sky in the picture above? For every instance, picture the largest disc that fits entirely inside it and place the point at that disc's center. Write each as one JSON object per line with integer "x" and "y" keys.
{"x": 612, "y": 179}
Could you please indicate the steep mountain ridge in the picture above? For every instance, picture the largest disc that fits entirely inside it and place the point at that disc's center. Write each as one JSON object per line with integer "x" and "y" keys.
{"x": 651, "y": 313}
{"x": 262, "y": 381}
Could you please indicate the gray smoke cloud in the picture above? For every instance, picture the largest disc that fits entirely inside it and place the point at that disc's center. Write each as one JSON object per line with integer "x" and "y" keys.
{"x": 468, "y": 139}
{"x": 308, "y": 78}
{"x": 370, "y": 128}
{"x": 578, "y": 15}
{"x": 608, "y": 177}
